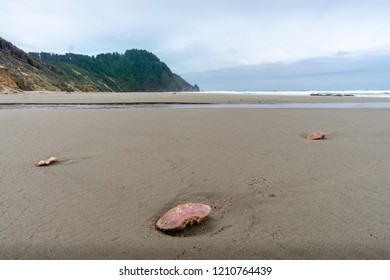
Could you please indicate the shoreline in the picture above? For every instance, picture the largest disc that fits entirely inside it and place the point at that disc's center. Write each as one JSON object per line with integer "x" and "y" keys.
{"x": 190, "y": 105}
{"x": 167, "y": 98}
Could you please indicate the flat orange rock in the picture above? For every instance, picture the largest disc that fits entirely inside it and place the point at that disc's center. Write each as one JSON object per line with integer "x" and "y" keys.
{"x": 47, "y": 162}
{"x": 183, "y": 215}
{"x": 316, "y": 135}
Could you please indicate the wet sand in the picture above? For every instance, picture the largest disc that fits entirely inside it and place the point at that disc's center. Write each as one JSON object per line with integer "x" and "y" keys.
{"x": 275, "y": 195}
{"x": 172, "y": 97}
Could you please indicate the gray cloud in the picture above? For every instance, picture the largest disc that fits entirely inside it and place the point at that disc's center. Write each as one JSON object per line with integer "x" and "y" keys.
{"x": 365, "y": 70}
{"x": 195, "y": 36}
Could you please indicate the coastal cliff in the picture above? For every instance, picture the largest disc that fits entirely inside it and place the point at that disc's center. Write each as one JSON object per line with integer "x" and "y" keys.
{"x": 135, "y": 70}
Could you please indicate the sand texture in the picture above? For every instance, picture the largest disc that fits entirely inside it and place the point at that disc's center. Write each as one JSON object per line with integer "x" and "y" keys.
{"x": 274, "y": 194}
{"x": 173, "y": 97}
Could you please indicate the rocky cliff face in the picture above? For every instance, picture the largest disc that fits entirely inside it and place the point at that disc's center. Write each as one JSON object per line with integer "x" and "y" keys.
{"x": 26, "y": 72}
{"x": 71, "y": 72}
{"x": 5, "y": 78}
{"x": 6, "y": 82}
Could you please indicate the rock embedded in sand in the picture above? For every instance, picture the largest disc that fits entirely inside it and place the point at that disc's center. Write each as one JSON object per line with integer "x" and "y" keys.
{"x": 316, "y": 135}
{"x": 183, "y": 215}
{"x": 47, "y": 162}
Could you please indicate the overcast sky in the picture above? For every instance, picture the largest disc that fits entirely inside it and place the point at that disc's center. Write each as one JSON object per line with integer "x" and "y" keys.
{"x": 201, "y": 35}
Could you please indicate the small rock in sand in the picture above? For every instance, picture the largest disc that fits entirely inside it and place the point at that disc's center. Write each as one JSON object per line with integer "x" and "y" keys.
{"x": 316, "y": 135}
{"x": 183, "y": 215}
{"x": 47, "y": 162}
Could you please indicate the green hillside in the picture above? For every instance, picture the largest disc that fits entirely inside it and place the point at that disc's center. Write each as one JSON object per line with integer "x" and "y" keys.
{"x": 134, "y": 70}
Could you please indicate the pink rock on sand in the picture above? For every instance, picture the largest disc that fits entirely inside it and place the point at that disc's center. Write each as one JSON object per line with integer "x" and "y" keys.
{"x": 183, "y": 215}
{"x": 47, "y": 162}
{"x": 316, "y": 135}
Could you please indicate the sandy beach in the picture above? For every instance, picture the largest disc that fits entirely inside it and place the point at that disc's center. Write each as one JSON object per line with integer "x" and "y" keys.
{"x": 44, "y": 97}
{"x": 274, "y": 194}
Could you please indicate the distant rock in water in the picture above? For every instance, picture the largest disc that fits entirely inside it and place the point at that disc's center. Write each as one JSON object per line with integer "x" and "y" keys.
{"x": 196, "y": 88}
{"x": 135, "y": 70}
{"x": 331, "y": 94}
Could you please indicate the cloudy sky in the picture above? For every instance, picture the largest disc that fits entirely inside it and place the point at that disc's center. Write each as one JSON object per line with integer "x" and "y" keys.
{"x": 202, "y": 35}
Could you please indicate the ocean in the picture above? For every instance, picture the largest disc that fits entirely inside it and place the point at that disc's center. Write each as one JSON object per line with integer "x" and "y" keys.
{"x": 357, "y": 93}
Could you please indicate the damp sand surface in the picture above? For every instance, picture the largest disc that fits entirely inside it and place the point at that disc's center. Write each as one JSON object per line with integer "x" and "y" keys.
{"x": 274, "y": 194}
